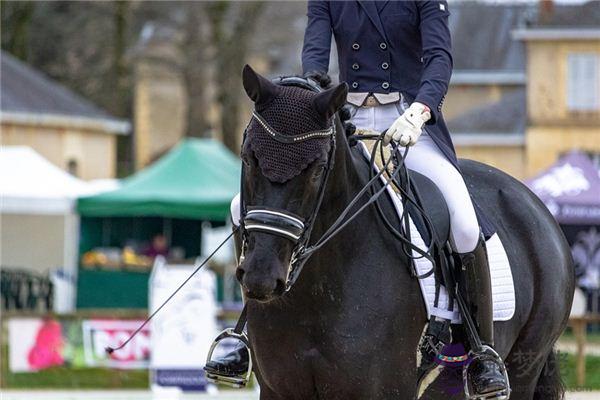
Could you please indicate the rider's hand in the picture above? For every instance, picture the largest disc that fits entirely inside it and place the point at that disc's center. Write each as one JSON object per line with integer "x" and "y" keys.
{"x": 321, "y": 78}
{"x": 408, "y": 127}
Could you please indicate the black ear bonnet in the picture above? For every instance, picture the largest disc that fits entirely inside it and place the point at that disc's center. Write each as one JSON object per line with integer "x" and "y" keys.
{"x": 291, "y": 113}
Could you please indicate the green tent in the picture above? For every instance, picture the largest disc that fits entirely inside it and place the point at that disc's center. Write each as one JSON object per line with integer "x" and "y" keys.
{"x": 197, "y": 179}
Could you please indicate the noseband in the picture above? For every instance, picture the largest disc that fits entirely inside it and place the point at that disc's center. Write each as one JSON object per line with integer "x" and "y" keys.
{"x": 292, "y": 227}
{"x": 279, "y": 222}
{"x": 275, "y": 222}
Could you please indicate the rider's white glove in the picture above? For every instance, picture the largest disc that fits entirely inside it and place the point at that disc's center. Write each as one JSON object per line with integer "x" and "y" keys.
{"x": 408, "y": 127}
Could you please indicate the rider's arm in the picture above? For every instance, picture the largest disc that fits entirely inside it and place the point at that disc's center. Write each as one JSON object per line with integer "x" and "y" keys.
{"x": 437, "y": 57}
{"x": 317, "y": 38}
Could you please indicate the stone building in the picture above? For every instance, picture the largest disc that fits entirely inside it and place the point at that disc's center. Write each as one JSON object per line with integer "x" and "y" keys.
{"x": 526, "y": 86}
{"x": 497, "y": 104}
{"x": 65, "y": 128}
{"x": 563, "y": 93}
{"x": 485, "y": 104}
{"x": 160, "y": 99}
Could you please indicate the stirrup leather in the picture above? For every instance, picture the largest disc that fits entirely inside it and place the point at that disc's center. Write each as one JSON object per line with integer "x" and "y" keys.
{"x": 238, "y": 381}
{"x": 487, "y": 353}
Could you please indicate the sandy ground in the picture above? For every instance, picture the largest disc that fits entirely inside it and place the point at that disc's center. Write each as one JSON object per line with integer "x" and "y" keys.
{"x": 146, "y": 395}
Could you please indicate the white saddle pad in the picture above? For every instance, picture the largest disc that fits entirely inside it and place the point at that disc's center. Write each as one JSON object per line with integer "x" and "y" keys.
{"x": 503, "y": 290}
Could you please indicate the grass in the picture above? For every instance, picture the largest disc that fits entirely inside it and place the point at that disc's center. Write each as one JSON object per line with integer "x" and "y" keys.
{"x": 102, "y": 378}
{"x": 592, "y": 373}
{"x": 71, "y": 378}
{"x": 66, "y": 378}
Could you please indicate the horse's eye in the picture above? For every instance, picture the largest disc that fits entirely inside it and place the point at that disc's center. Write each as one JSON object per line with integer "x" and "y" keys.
{"x": 318, "y": 173}
{"x": 246, "y": 160}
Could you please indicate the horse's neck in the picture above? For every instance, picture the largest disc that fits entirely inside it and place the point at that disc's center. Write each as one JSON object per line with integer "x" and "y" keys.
{"x": 343, "y": 184}
{"x": 347, "y": 178}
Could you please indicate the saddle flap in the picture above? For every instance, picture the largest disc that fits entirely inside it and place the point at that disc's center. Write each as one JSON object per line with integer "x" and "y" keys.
{"x": 431, "y": 200}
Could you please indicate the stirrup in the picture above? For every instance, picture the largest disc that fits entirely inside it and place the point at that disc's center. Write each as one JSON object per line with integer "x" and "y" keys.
{"x": 236, "y": 381}
{"x": 487, "y": 353}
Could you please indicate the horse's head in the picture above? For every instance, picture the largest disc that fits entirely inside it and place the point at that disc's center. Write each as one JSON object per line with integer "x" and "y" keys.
{"x": 286, "y": 154}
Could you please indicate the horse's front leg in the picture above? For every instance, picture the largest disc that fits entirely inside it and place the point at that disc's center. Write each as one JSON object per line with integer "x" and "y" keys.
{"x": 267, "y": 394}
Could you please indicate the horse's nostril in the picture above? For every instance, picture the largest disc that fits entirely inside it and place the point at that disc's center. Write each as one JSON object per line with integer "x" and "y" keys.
{"x": 239, "y": 274}
{"x": 279, "y": 287}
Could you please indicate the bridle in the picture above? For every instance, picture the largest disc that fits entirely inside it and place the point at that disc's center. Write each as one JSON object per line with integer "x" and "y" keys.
{"x": 282, "y": 222}
{"x": 295, "y": 228}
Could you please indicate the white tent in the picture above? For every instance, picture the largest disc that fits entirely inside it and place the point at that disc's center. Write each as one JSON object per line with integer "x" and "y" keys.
{"x": 30, "y": 184}
{"x": 38, "y": 225}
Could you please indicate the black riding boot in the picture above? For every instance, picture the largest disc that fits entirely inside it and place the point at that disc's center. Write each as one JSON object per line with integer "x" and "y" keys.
{"x": 486, "y": 371}
{"x": 234, "y": 364}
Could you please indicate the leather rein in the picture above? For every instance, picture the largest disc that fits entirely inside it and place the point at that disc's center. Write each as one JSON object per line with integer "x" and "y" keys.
{"x": 294, "y": 228}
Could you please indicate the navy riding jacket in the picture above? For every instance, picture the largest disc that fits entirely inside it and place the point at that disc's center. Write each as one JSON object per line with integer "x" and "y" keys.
{"x": 388, "y": 46}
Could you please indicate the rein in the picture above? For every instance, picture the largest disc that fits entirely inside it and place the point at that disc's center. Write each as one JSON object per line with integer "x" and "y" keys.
{"x": 296, "y": 229}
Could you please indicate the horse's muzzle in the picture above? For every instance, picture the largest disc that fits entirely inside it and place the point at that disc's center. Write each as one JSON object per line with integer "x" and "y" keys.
{"x": 259, "y": 285}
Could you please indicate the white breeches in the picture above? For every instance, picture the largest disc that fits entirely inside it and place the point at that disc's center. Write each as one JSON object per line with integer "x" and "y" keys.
{"x": 426, "y": 158}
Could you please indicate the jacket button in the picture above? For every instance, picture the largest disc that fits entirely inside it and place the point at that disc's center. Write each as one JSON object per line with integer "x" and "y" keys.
{"x": 354, "y": 85}
{"x": 382, "y": 46}
{"x": 355, "y": 66}
{"x": 385, "y": 65}
{"x": 385, "y": 85}
{"x": 355, "y": 46}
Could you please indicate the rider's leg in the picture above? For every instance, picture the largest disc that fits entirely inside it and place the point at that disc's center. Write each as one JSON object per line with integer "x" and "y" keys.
{"x": 426, "y": 158}
{"x": 236, "y": 362}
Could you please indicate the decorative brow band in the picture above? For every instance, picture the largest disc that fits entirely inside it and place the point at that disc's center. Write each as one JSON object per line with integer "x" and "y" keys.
{"x": 292, "y": 139}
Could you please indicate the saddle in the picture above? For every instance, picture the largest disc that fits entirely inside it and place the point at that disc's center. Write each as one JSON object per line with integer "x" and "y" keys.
{"x": 428, "y": 197}
{"x": 431, "y": 200}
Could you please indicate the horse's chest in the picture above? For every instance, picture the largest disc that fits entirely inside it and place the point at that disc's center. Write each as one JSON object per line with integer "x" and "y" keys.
{"x": 310, "y": 360}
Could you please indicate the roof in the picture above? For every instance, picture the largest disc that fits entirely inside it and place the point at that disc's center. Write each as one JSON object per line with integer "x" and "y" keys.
{"x": 30, "y": 184}
{"x": 569, "y": 16}
{"x": 197, "y": 179}
{"x": 557, "y": 34}
{"x": 484, "y": 33}
{"x": 484, "y": 30}
{"x": 28, "y": 96}
{"x": 572, "y": 22}
{"x": 507, "y": 116}
{"x": 489, "y": 77}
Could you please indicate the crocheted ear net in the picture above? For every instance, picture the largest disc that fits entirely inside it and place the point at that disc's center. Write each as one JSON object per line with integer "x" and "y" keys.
{"x": 290, "y": 113}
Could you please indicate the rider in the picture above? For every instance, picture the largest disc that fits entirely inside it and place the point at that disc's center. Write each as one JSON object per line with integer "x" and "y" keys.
{"x": 396, "y": 58}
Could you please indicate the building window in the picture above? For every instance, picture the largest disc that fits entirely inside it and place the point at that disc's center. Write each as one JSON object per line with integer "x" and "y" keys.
{"x": 73, "y": 167}
{"x": 583, "y": 82}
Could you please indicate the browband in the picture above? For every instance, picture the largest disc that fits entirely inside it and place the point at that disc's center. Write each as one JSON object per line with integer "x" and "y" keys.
{"x": 291, "y": 139}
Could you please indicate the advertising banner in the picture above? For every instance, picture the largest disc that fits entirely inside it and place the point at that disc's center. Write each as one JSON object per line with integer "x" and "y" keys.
{"x": 34, "y": 344}
{"x": 185, "y": 328}
{"x": 100, "y": 334}
{"x": 39, "y": 343}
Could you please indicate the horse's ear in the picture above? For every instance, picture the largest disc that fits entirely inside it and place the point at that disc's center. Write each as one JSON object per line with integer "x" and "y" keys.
{"x": 259, "y": 89}
{"x": 330, "y": 101}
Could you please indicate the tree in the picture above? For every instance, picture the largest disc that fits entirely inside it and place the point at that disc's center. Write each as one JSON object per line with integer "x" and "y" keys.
{"x": 232, "y": 42}
{"x": 16, "y": 23}
{"x": 85, "y": 45}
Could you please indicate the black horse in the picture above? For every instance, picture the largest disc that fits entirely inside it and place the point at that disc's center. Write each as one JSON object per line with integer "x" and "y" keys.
{"x": 350, "y": 325}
